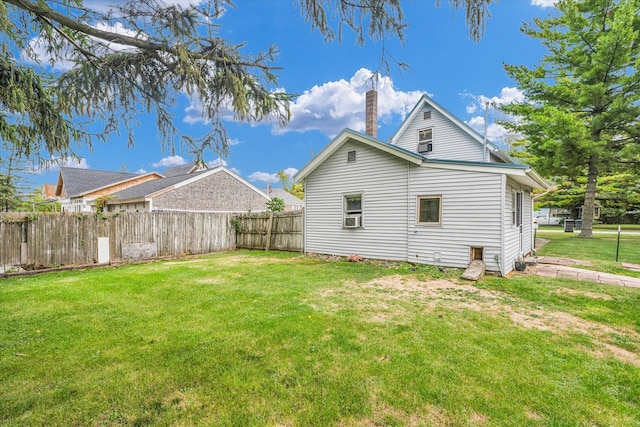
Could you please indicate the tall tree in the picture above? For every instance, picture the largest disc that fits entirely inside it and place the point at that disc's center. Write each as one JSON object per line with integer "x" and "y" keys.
{"x": 617, "y": 195}
{"x": 9, "y": 199}
{"x": 12, "y": 177}
{"x": 291, "y": 187}
{"x": 141, "y": 54}
{"x": 581, "y": 115}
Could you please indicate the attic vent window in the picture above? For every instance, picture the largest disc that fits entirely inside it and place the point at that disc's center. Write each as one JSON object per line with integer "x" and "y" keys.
{"x": 351, "y": 156}
{"x": 425, "y": 140}
{"x": 427, "y": 115}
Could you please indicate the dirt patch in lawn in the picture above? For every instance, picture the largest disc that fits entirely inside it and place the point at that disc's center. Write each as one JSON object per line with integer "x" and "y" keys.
{"x": 385, "y": 299}
{"x": 574, "y": 292}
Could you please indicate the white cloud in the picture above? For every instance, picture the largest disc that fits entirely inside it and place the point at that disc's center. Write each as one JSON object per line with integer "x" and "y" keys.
{"x": 333, "y": 106}
{"x": 233, "y": 141}
{"x": 290, "y": 172}
{"x": 544, "y": 3}
{"x": 263, "y": 176}
{"x": 70, "y": 162}
{"x": 194, "y": 113}
{"x": 169, "y": 162}
{"x": 55, "y": 163}
{"x": 478, "y": 103}
{"x": 336, "y": 105}
{"x": 141, "y": 171}
{"x": 217, "y": 162}
{"x": 495, "y": 132}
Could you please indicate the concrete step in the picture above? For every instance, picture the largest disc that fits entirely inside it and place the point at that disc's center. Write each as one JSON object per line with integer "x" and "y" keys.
{"x": 475, "y": 271}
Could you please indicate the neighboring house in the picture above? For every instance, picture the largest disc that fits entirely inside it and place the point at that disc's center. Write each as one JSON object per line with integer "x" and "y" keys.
{"x": 291, "y": 202}
{"x": 427, "y": 197}
{"x": 213, "y": 190}
{"x": 78, "y": 188}
{"x": 182, "y": 170}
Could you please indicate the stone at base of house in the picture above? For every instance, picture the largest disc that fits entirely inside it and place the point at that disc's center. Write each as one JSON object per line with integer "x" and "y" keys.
{"x": 474, "y": 272}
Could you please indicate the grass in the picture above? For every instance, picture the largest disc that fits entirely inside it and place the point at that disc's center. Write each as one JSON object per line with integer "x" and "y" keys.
{"x": 254, "y": 338}
{"x": 596, "y": 227}
{"x": 599, "y": 250}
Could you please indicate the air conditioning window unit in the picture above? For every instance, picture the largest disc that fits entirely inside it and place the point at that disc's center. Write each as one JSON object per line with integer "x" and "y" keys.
{"x": 352, "y": 221}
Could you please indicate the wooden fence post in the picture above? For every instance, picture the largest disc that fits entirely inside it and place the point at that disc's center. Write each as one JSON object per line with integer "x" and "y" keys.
{"x": 269, "y": 226}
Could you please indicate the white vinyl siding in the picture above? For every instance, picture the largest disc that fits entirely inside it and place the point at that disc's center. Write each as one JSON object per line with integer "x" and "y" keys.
{"x": 469, "y": 218}
{"x": 449, "y": 141}
{"x": 382, "y": 181}
{"x": 512, "y": 231}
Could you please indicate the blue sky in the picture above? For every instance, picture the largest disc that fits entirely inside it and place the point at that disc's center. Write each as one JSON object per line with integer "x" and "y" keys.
{"x": 331, "y": 80}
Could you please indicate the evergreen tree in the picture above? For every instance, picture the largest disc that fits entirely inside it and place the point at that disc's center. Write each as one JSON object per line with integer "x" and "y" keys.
{"x": 581, "y": 115}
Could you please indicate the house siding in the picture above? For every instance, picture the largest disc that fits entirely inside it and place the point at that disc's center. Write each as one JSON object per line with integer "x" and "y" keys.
{"x": 383, "y": 182}
{"x": 513, "y": 249}
{"x": 449, "y": 141}
{"x": 219, "y": 192}
{"x": 470, "y": 217}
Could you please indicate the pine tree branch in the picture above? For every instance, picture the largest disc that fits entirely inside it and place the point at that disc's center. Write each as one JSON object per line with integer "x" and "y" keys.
{"x": 40, "y": 10}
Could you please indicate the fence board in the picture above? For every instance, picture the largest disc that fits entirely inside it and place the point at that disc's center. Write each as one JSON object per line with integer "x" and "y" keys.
{"x": 71, "y": 239}
{"x": 286, "y": 231}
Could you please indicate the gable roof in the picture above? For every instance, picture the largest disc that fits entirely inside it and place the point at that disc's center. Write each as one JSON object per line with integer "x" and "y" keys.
{"x": 145, "y": 189}
{"x": 158, "y": 187}
{"x": 491, "y": 148}
{"x": 349, "y": 134}
{"x": 520, "y": 173}
{"x": 281, "y": 193}
{"x": 77, "y": 181}
{"x": 180, "y": 170}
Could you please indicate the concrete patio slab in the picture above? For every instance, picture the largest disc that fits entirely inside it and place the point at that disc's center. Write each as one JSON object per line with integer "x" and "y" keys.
{"x": 562, "y": 267}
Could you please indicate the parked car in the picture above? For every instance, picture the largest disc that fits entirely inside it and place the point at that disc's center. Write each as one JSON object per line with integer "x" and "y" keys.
{"x": 548, "y": 220}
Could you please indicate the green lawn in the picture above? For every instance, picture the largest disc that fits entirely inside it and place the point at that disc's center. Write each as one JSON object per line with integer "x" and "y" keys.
{"x": 252, "y": 338}
{"x": 599, "y": 250}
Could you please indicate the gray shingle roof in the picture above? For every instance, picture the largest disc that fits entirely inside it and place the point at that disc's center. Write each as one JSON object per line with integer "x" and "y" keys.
{"x": 78, "y": 181}
{"x": 281, "y": 193}
{"x": 179, "y": 170}
{"x": 146, "y": 188}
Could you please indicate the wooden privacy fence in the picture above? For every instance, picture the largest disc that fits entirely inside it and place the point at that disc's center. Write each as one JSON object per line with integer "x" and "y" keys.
{"x": 280, "y": 231}
{"x": 75, "y": 239}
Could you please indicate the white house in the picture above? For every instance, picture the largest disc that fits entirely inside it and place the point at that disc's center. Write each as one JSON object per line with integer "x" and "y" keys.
{"x": 436, "y": 194}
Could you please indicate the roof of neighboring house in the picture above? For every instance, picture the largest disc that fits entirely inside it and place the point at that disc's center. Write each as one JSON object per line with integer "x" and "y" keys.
{"x": 157, "y": 187}
{"x": 77, "y": 181}
{"x": 150, "y": 187}
{"x": 288, "y": 198}
{"x": 181, "y": 170}
{"x": 520, "y": 173}
{"x": 49, "y": 191}
{"x": 491, "y": 147}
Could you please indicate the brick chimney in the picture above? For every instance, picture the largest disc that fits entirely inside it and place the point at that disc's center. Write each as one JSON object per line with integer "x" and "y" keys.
{"x": 371, "y": 111}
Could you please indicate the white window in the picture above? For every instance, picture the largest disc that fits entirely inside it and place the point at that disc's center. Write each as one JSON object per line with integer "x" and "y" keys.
{"x": 425, "y": 140}
{"x": 430, "y": 210}
{"x": 352, "y": 217}
{"x": 427, "y": 115}
{"x": 516, "y": 209}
